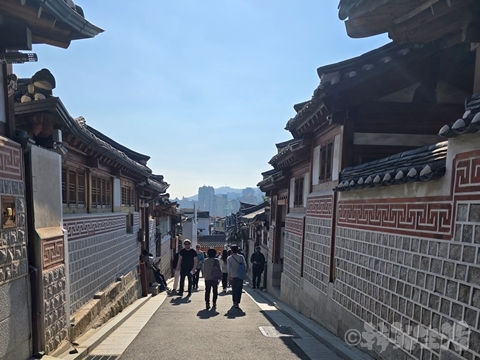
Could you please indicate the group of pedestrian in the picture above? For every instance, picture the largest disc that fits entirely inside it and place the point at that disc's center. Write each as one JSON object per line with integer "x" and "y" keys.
{"x": 189, "y": 262}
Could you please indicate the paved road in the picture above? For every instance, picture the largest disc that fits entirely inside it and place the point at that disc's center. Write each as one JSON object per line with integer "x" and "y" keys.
{"x": 173, "y": 327}
{"x": 182, "y": 328}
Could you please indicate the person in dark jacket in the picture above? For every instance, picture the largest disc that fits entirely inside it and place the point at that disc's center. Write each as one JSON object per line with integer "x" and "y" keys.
{"x": 210, "y": 283}
{"x": 258, "y": 263}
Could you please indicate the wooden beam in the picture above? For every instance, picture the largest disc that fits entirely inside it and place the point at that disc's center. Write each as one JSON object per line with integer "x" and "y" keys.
{"x": 415, "y": 11}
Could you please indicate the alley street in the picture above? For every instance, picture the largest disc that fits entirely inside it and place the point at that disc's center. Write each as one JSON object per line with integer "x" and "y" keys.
{"x": 173, "y": 327}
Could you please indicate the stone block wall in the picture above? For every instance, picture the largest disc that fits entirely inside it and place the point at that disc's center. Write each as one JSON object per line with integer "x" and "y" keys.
{"x": 317, "y": 252}
{"x": 420, "y": 293}
{"x": 292, "y": 251}
{"x": 15, "y": 308}
{"x": 100, "y": 250}
{"x": 55, "y": 310}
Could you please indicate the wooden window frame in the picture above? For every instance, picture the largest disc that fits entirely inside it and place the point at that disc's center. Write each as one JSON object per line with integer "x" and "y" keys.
{"x": 326, "y": 161}
{"x": 74, "y": 181}
{"x": 127, "y": 195}
{"x": 101, "y": 197}
{"x": 298, "y": 191}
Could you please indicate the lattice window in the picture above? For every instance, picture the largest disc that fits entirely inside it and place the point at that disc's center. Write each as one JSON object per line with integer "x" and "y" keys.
{"x": 127, "y": 196}
{"x": 101, "y": 196}
{"x": 326, "y": 161}
{"x": 73, "y": 187}
{"x": 298, "y": 192}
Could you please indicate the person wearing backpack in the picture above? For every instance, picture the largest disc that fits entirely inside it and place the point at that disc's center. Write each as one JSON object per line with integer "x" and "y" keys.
{"x": 211, "y": 275}
{"x": 236, "y": 267}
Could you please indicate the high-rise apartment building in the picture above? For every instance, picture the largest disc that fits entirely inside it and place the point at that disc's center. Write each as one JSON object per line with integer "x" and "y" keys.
{"x": 206, "y": 199}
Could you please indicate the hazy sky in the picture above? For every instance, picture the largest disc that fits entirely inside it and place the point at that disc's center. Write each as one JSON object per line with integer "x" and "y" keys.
{"x": 205, "y": 88}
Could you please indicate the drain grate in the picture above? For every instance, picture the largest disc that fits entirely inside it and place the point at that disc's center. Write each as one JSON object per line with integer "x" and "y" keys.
{"x": 102, "y": 357}
{"x": 278, "y": 331}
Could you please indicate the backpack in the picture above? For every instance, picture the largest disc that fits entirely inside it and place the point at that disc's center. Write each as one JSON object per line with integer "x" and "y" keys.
{"x": 216, "y": 272}
{"x": 241, "y": 269}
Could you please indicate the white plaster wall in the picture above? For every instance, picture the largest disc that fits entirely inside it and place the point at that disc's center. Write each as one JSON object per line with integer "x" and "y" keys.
{"x": 316, "y": 165}
{"x": 336, "y": 157}
{"x": 291, "y": 193}
{"x": 47, "y": 184}
{"x": 117, "y": 192}
{"x": 3, "y": 108}
{"x": 306, "y": 189}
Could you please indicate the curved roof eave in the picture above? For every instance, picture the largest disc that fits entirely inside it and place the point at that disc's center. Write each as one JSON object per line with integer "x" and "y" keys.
{"x": 55, "y": 106}
{"x": 130, "y": 153}
{"x": 65, "y": 13}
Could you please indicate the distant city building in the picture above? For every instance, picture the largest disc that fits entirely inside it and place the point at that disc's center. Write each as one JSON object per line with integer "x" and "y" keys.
{"x": 206, "y": 199}
{"x": 220, "y": 205}
{"x": 248, "y": 196}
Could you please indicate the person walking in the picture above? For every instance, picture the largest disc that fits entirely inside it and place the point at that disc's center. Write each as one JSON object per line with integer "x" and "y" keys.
{"x": 210, "y": 283}
{"x": 187, "y": 265}
{"x": 176, "y": 274}
{"x": 233, "y": 262}
{"x": 223, "y": 267}
{"x": 200, "y": 260}
{"x": 258, "y": 263}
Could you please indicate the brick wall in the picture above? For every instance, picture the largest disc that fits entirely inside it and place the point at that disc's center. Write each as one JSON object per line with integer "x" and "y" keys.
{"x": 100, "y": 250}
{"x": 292, "y": 252}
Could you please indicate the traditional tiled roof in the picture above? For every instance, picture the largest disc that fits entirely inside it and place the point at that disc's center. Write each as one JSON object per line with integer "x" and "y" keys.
{"x": 156, "y": 182}
{"x": 358, "y": 7}
{"x": 469, "y": 123}
{"x": 80, "y": 124}
{"x": 73, "y": 16}
{"x": 269, "y": 178}
{"x": 140, "y": 158}
{"x": 212, "y": 241}
{"x": 344, "y": 84}
{"x": 422, "y": 164}
{"x": 289, "y": 152}
{"x": 249, "y": 208}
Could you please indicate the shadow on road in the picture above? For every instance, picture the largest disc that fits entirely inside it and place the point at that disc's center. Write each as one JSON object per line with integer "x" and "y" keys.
{"x": 207, "y": 314}
{"x": 180, "y": 300}
{"x": 234, "y": 313}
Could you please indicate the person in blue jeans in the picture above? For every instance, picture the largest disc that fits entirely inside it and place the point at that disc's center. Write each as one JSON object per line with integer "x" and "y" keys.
{"x": 237, "y": 283}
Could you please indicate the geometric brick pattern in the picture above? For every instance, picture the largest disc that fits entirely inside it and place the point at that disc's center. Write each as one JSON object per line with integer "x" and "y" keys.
{"x": 417, "y": 283}
{"x": 317, "y": 252}
{"x": 293, "y": 248}
{"x": 11, "y": 164}
{"x": 52, "y": 252}
{"x": 98, "y": 260}
{"x": 426, "y": 217}
{"x": 81, "y": 227}
{"x": 320, "y": 206}
{"x": 294, "y": 225}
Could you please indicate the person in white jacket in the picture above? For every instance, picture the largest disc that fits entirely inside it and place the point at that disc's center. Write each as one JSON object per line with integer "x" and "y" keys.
{"x": 223, "y": 267}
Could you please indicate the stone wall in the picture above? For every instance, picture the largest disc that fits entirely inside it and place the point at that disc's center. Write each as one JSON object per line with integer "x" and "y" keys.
{"x": 407, "y": 264}
{"x": 100, "y": 250}
{"x": 15, "y": 308}
{"x": 293, "y": 246}
{"x": 55, "y": 307}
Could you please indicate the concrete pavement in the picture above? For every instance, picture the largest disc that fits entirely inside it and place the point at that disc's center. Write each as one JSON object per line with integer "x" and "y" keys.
{"x": 157, "y": 327}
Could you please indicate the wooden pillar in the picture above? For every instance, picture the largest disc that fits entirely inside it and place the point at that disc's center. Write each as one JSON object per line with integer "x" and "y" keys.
{"x": 476, "y": 76}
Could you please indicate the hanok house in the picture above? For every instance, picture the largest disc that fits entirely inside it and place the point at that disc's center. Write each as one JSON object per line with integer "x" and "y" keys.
{"x": 88, "y": 197}
{"x": 375, "y": 212}
{"x": 23, "y": 24}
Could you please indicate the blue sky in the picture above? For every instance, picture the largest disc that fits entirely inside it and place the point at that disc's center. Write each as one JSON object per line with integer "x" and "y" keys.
{"x": 203, "y": 87}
